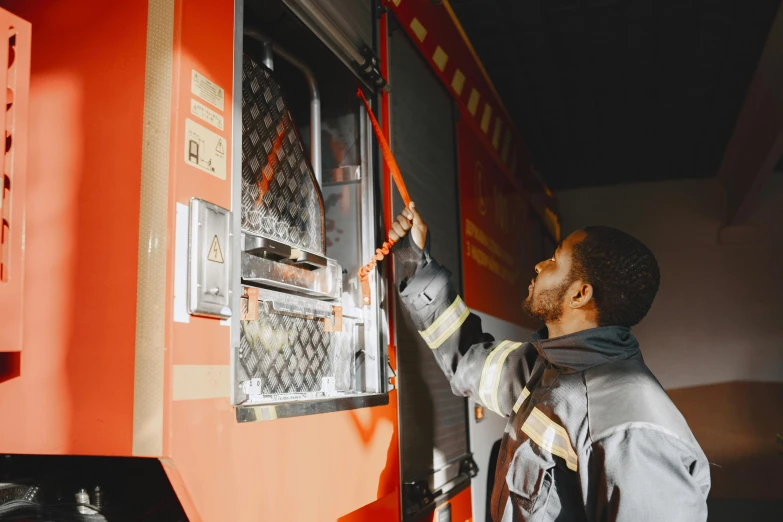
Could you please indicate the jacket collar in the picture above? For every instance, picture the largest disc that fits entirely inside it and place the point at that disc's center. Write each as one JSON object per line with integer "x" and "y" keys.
{"x": 580, "y": 351}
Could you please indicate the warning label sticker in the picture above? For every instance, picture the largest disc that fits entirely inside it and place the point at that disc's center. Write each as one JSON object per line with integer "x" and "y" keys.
{"x": 206, "y": 89}
{"x": 201, "y": 111}
{"x": 215, "y": 254}
{"x": 204, "y": 149}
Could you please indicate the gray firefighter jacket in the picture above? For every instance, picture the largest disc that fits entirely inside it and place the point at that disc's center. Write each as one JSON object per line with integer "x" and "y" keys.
{"x": 591, "y": 434}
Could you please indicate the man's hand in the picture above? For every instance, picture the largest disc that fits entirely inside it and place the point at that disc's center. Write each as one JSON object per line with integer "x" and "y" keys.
{"x": 409, "y": 219}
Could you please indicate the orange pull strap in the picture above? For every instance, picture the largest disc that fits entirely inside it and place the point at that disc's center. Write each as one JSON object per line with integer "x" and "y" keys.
{"x": 388, "y": 158}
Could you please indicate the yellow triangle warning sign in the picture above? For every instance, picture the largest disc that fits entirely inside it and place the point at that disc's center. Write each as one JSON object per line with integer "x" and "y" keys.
{"x": 215, "y": 254}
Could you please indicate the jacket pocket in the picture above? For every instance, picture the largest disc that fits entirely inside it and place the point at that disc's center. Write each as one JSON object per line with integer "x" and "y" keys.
{"x": 529, "y": 480}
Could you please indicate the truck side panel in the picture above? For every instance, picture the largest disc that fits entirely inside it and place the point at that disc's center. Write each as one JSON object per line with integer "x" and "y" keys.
{"x": 74, "y": 392}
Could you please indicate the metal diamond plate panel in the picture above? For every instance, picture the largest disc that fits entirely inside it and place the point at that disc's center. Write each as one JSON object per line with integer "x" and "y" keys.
{"x": 292, "y": 354}
{"x": 280, "y": 197}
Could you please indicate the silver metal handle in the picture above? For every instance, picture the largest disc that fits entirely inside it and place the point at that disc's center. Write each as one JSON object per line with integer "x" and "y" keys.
{"x": 281, "y": 307}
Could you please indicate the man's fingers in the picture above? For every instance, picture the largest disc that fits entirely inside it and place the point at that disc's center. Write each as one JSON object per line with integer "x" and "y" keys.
{"x": 409, "y": 219}
{"x": 397, "y": 228}
{"x": 404, "y": 222}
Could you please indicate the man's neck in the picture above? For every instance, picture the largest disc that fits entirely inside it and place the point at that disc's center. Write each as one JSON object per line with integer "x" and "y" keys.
{"x": 561, "y": 328}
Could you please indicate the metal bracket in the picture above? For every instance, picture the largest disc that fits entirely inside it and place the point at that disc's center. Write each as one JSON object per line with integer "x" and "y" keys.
{"x": 371, "y": 68}
{"x": 380, "y": 8}
{"x": 251, "y": 314}
{"x": 417, "y": 495}
{"x": 468, "y": 466}
{"x": 336, "y": 323}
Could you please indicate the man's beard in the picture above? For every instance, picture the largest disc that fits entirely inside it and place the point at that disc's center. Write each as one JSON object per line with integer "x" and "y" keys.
{"x": 547, "y": 305}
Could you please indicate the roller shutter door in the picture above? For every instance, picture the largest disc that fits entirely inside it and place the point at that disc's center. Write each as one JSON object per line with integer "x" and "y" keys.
{"x": 433, "y": 422}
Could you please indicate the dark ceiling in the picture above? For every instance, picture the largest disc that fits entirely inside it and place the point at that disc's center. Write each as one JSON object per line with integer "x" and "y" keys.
{"x": 614, "y": 91}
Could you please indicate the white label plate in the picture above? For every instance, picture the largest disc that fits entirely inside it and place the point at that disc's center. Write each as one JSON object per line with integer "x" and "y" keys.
{"x": 206, "y": 89}
{"x": 204, "y": 149}
{"x": 201, "y": 111}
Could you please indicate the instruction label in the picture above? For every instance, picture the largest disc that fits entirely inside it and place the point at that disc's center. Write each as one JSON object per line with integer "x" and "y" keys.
{"x": 204, "y": 149}
{"x": 206, "y": 89}
{"x": 201, "y": 111}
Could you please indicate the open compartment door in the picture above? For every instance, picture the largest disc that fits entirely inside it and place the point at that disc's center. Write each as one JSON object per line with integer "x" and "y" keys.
{"x": 435, "y": 452}
{"x": 303, "y": 342}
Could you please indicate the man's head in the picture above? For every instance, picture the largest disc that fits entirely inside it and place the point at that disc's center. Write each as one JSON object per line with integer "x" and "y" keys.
{"x": 598, "y": 276}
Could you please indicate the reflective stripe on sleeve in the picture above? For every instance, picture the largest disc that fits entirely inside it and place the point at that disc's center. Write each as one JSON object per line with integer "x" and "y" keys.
{"x": 522, "y": 396}
{"x": 551, "y": 437}
{"x": 446, "y": 324}
{"x": 490, "y": 374}
{"x": 484, "y": 383}
{"x": 498, "y": 373}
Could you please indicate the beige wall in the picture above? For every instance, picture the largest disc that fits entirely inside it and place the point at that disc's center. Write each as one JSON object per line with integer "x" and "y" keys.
{"x": 736, "y": 423}
{"x": 714, "y": 337}
{"x": 718, "y": 316}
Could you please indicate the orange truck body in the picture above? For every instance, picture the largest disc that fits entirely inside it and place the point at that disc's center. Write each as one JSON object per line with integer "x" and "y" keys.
{"x": 77, "y": 387}
{"x": 92, "y": 361}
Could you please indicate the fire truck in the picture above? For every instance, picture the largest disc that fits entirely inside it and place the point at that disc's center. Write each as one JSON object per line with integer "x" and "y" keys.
{"x": 190, "y": 188}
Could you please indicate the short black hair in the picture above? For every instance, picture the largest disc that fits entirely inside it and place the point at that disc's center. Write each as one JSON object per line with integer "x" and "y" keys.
{"x": 623, "y": 272}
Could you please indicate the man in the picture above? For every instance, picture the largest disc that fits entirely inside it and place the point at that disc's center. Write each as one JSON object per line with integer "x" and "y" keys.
{"x": 591, "y": 435}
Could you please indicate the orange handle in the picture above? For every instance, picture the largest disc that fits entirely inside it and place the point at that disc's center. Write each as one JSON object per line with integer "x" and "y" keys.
{"x": 388, "y": 158}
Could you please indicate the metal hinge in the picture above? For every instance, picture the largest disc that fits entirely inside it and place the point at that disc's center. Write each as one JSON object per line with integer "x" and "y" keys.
{"x": 371, "y": 68}
{"x": 468, "y": 466}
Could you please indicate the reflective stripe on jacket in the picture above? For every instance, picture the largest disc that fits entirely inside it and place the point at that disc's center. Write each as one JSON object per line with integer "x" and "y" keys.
{"x": 591, "y": 434}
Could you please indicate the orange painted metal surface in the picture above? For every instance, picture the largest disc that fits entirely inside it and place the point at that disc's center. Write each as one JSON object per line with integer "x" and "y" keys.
{"x": 15, "y": 40}
{"x": 74, "y": 391}
{"x": 461, "y": 507}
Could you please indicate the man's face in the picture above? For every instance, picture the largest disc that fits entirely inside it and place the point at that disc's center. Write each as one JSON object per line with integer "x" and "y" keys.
{"x": 547, "y": 292}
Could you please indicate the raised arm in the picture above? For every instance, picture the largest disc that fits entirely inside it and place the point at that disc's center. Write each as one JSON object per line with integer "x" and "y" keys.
{"x": 492, "y": 372}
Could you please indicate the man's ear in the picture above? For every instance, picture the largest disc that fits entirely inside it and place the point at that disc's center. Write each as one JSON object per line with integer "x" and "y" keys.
{"x": 581, "y": 294}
